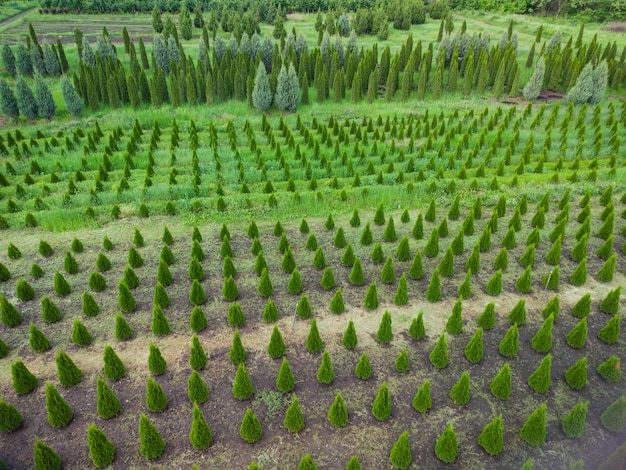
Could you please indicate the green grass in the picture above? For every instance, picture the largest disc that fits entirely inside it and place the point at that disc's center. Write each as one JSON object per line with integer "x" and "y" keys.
{"x": 12, "y": 8}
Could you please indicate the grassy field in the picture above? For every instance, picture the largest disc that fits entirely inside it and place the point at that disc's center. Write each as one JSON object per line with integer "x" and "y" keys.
{"x": 13, "y": 8}
{"x": 487, "y": 179}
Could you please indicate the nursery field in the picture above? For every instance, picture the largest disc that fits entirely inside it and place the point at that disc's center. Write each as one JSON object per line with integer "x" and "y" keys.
{"x": 454, "y": 275}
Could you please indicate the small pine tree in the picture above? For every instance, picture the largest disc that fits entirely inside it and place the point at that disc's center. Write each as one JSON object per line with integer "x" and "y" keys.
{"x": 492, "y": 437}
{"x": 357, "y": 277}
{"x": 432, "y": 247}
{"x": 314, "y": 341}
{"x": 69, "y": 375}
{"x": 62, "y": 288}
{"x": 381, "y": 409}
{"x": 500, "y": 385}
{"x": 200, "y": 435}
{"x": 488, "y": 318}
{"x": 151, "y": 442}
{"x": 433, "y": 292}
{"x": 59, "y": 412}
{"x": 474, "y": 347}
{"x": 579, "y": 275}
{"x": 460, "y": 391}
{"x": 610, "y": 369}
{"x": 363, "y": 368}
{"x": 197, "y": 355}
{"x": 454, "y": 325}
{"x": 23, "y": 380}
{"x": 610, "y": 304}
{"x": 439, "y": 354}
{"x": 614, "y": 417}
{"x": 155, "y": 397}
{"x": 197, "y": 391}
{"x": 197, "y": 321}
{"x": 533, "y": 431}
{"x": 295, "y": 282}
{"x": 156, "y": 361}
{"x": 325, "y": 373}
{"x": 46, "y": 457}
{"x": 416, "y": 271}
{"x": 107, "y": 403}
{"x": 518, "y": 313}
{"x": 336, "y": 303}
{"x": 510, "y": 342}
{"x": 38, "y": 341}
{"x": 609, "y": 334}
{"x": 338, "y": 412}
{"x": 294, "y": 420}
{"x": 371, "y": 297}
{"x": 250, "y": 429}
{"x": 539, "y": 380}
{"x": 160, "y": 325}
{"x": 114, "y": 368}
{"x": 576, "y": 375}
{"x": 276, "y": 347}
{"x": 319, "y": 261}
{"x": 384, "y": 334}
{"x": 97, "y": 282}
{"x": 400, "y": 454}
{"x": 125, "y": 299}
{"x": 242, "y": 387}
{"x": 582, "y": 308}
{"x": 303, "y": 308}
{"x": 573, "y": 424}
{"x": 349, "y": 339}
{"x": 80, "y": 334}
{"x": 123, "y": 330}
{"x": 10, "y": 418}
{"x": 198, "y": 297}
{"x": 285, "y": 381}
{"x": 542, "y": 341}
{"x": 89, "y": 306}
{"x": 446, "y": 447}
{"x": 494, "y": 286}
{"x": 422, "y": 401}
{"x": 270, "y": 312}
{"x": 402, "y": 362}
{"x": 417, "y": 330}
{"x": 9, "y": 315}
{"x": 50, "y": 313}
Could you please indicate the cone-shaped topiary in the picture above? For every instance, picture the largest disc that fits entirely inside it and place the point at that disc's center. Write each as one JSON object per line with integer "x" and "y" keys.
{"x": 573, "y": 424}
{"x": 23, "y": 380}
{"x": 363, "y": 368}
{"x": 156, "y": 361}
{"x": 59, "y": 412}
{"x": 542, "y": 341}
{"x": 67, "y": 372}
{"x": 502, "y": 260}
{"x": 500, "y": 385}
{"x": 24, "y": 291}
{"x": 130, "y": 277}
{"x": 340, "y": 238}
{"x": 523, "y": 283}
{"x": 473, "y": 262}
{"x": 377, "y": 254}
{"x": 107, "y": 403}
{"x": 4, "y": 349}
{"x": 303, "y": 308}
{"x": 134, "y": 258}
{"x": 45, "y": 457}
{"x": 125, "y": 299}
{"x": 80, "y": 334}
{"x": 314, "y": 341}
{"x": 229, "y": 291}
{"x": 229, "y": 268}
{"x": 349, "y": 339}
{"x": 295, "y": 282}
{"x": 518, "y": 314}
{"x": 610, "y": 304}
{"x": 70, "y": 264}
{"x": 446, "y": 446}
{"x": 242, "y": 387}
{"x": 528, "y": 258}
{"x": 403, "y": 252}
{"x": 325, "y": 373}
{"x": 552, "y": 308}
{"x": 417, "y": 330}
{"x": 160, "y": 325}
{"x": 10, "y": 418}
{"x": 577, "y": 337}
{"x": 164, "y": 275}
{"x": 494, "y": 286}
{"x": 492, "y": 437}
{"x": 38, "y": 341}
{"x": 582, "y": 308}
{"x": 460, "y": 391}
{"x": 49, "y": 311}
{"x": 366, "y": 235}
{"x": 250, "y": 429}
{"x": 402, "y": 361}
{"x": 610, "y": 332}
{"x": 294, "y": 420}
{"x": 338, "y": 413}
{"x": 151, "y": 443}
{"x": 195, "y": 270}
{"x": 197, "y": 355}
{"x": 381, "y": 409}
{"x": 384, "y": 334}
{"x": 285, "y": 381}
{"x": 226, "y": 249}
{"x": 289, "y": 262}
{"x": 439, "y": 354}
{"x": 356, "y": 274}
{"x": 487, "y": 319}
{"x": 336, "y": 303}
{"x": 123, "y": 330}
{"x": 390, "y": 231}
{"x": 510, "y": 342}
{"x": 160, "y": 297}
{"x": 348, "y": 257}
{"x": 534, "y": 429}
{"x": 379, "y": 216}
{"x": 9, "y": 315}
{"x": 387, "y": 275}
{"x": 418, "y": 228}
{"x": 197, "y": 321}
{"x": 400, "y": 455}
{"x": 276, "y": 347}
{"x": 167, "y": 237}
{"x": 605, "y": 274}
{"x": 197, "y": 391}
{"x": 319, "y": 261}
{"x": 5, "y": 274}
{"x": 198, "y": 297}
{"x": 113, "y": 366}
{"x": 579, "y": 275}
{"x": 465, "y": 288}
{"x": 474, "y": 347}
{"x": 614, "y": 417}
{"x": 402, "y": 295}
{"x": 61, "y": 286}
{"x": 89, "y": 306}
{"x": 97, "y": 282}
{"x": 155, "y": 397}
{"x": 432, "y": 247}
{"x": 270, "y": 312}
{"x": 371, "y": 297}
{"x": 539, "y": 380}
{"x": 238, "y": 354}
{"x": 200, "y": 435}
{"x": 422, "y": 400}
{"x": 454, "y": 324}
{"x": 433, "y": 292}
{"x": 416, "y": 271}
{"x": 611, "y": 369}
{"x": 576, "y": 375}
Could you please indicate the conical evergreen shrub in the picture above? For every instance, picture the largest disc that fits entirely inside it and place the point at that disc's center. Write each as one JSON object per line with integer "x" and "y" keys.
{"x": 59, "y": 412}
{"x": 123, "y": 330}
{"x": 68, "y": 374}
{"x": 400, "y": 454}
{"x": 460, "y": 391}
{"x": 552, "y": 308}
{"x": 80, "y": 334}
{"x": 402, "y": 362}
{"x": 45, "y": 457}
{"x": 422, "y": 401}
{"x": 348, "y": 257}
{"x": 336, "y": 303}
{"x": 573, "y": 424}
{"x": 473, "y": 262}
{"x": 576, "y": 375}
{"x": 494, "y": 286}
{"x": 265, "y": 288}
{"x": 363, "y": 368}
{"x": 195, "y": 270}
{"x": 510, "y": 342}
{"x": 70, "y": 264}
{"x": 198, "y": 297}
{"x": 197, "y": 391}
{"x": 238, "y": 354}
{"x": 605, "y": 274}
{"x": 356, "y": 274}
{"x": 614, "y": 417}
{"x": 319, "y": 261}
{"x": 197, "y": 355}
{"x": 61, "y": 286}
{"x": 474, "y": 347}
{"x": 371, "y": 297}
{"x": 250, "y": 429}
{"x": 97, "y": 282}
{"x": 160, "y": 325}
{"x": 539, "y": 380}
{"x": 454, "y": 324}
{"x": 229, "y": 291}
{"x": 500, "y": 385}
{"x": 200, "y": 435}
{"x": 113, "y": 366}
{"x": 125, "y": 299}
{"x": 9, "y": 315}
{"x": 366, "y": 235}
{"x": 518, "y": 314}
{"x": 23, "y": 380}
{"x": 151, "y": 443}
{"x": 446, "y": 447}
{"x": 492, "y": 437}
{"x": 242, "y": 387}
{"x": 417, "y": 330}
{"x": 276, "y": 347}
{"x": 134, "y": 258}
{"x": 416, "y": 271}
{"x": 533, "y": 431}
{"x": 164, "y": 275}
{"x": 289, "y": 262}
{"x": 542, "y": 341}
{"x": 197, "y": 321}
{"x": 38, "y": 341}
{"x": 390, "y": 231}
{"x": 303, "y": 308}
{"x": 314, "y": 341}
{"x": 387, "y": 275}
{"x": 325, "y": 373}
{"x": 349, "y": 339}
{"x": 155, "y": 397}
{"x": 609, "y": 334}
{"x": 293, "y": 421}
{"x": 403, "y": 252}
{"x": 487, "y": 319}
{"x": 4, "y": 349}
{"x": 89, "y": 306}
{"x": 156, "y": 361}
{"x": 10, "y": 418}
{"x": 611, "y": 369}
{"x": 432, "y": 246}
{"x": 295, "y": 282}
{"x": 107, "y": 403}
{"x": 610, "y": 304}
{"x": 161, "y": 298}
{"x": 522, "y": 285}
{"x": 439, "y": 354}
{"x": 381, "y": 409}
{"x": 338, "y": 412}
{"x": 465, "y": 288}
{"x": 384, "y": 335}
{"x": 579, "y": 275}
{"x": 340, "y": 238}
{"x": 502, "y": 260}
{"x": 378, "y": 256}
{"x": 582, "y": 308}
{"x": 285, "y": 381}
{"x": 270, "y": 312}
{"x": 433, "y": 292}
{"x": 50, "y": 313}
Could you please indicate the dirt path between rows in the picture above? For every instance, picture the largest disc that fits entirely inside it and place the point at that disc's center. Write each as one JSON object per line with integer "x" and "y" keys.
{"x": 13, "y": 19}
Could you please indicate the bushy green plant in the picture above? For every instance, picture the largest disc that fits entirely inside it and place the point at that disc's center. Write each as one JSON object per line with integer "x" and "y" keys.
{"x": 474, "y": 347}
{"x": 614, "y": 417}
{"x": 576, "y": 375}
{"x": 610, "y": 304}
{"x": 325, "y": 372}
{"x": 494, "y": 286}
{"x": 197, "y": 391}
{"x": 156, "y": 361}
{"x": 197, "y": 355}
{"x": 611, "y": 369}
{"x": 363, "y": 369}
{"x": 338, "y": 412}
{"x": 200, "y": 435}
{"x": 59, "y": 412}
{"x": 432, "y": 246}
{"x": 446, "y": 447}
{"x": 492, "y": 437}
{"x": 609, "y": 334}
{"x": 500, "y": 385}
{"x": 533, "y": 432}
{"x": 50, "y": 313}
{"x": 160, "y": 325}
{"x": 62, "y": 288}
{"x": 460, "y": 391}
{"x": 400, "y": 454}
{"x": 542, "y": 341}
{"x": 487, "y": 319}
{"x": 377, "y": 254}
{"x": 439, "y": 354}
{"x": 433, "y": 292}
{"x": 295, "y": 282}
{"x": 336, "y": 303}
{"x": 539, "y": 380}
{"x": 582, "y": 308}
{"x": 319, "y": 260}
{"x": 303, "y": 308}
{"x": 155, "y": 397}
{"x": 97, "y": 282}
{"x": 242, "y": 387}
{"x": 573, "y": 424}
{"x": 371, "y": 297}
{"x": 197, "y": 320}
{"x": 250, "y": 429}
{"x": 107, "y": 402}
{"x": 45, "y": 457}
{"x": 579, "y": 275}
{"x": 381, "y": 409}
{"x": 294, "y": 420}
{"x": 152, "y": 444}
{"x": 38, "y": 341}
{"x": 518, "y": 314}
{"x": 454, "y": 324}
{"x": 68, "y": 373}
{"x": 384, "y": 334}
{"x": 123, "y": 330}
{"x": 80, "y": 334}
{"x": 89, "y": 306}
{"x": 10, "y": 418}
{"x": 349, "y": 339}
{"x": 285, "y": 381}
{"x": 23, "y": 380}
{"x": 422, "y": 401}
{"x": 510, "y": 342}
{"x": 125, "y": 299}
{"x": 134, "y": 258}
